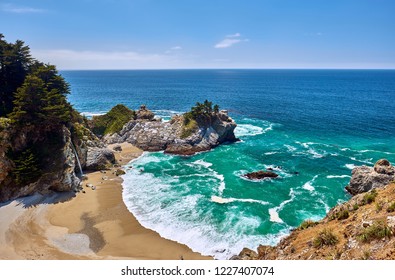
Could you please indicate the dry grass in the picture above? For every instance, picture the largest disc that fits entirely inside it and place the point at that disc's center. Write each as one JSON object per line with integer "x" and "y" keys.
{"x": 325, "y": 238}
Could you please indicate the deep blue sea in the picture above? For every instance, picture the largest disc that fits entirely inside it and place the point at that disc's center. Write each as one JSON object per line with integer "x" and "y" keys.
{"x": 311, "y": 126}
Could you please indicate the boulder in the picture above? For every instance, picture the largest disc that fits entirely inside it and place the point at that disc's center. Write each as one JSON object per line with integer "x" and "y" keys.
{"x": 144, "y": 114}
{"x": 247, "y": 254}
{"x": 120, "y": 172}
{"x": 117, "y": 148}
{"x": 99, "y": 158}
{"x": 259, "y": 175}
{"x": 365, "y": 178}
{"x": 383, "y": 166}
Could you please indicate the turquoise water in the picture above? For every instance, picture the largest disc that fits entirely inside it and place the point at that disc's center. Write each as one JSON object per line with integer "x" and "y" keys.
{"x": 311, "y": 127}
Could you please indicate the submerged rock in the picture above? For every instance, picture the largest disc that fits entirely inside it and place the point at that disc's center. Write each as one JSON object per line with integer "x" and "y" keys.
{"x": 365, "y": 178}
{"x": 259, "y": 175}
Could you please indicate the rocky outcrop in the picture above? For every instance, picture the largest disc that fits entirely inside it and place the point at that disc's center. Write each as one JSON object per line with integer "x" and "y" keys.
{"x": 144, "y": 114}
{"x": 151, "y": 135}
{"x": 259, "y": 175}
{"x": 365, "y": 178}
{"x": 99, "y": 158}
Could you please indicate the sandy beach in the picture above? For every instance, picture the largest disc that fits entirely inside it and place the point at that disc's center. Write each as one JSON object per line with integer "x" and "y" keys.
{"x": 93, "y": 224}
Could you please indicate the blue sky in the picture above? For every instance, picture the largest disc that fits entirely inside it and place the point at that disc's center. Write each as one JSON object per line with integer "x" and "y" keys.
{"x": 157, "y": 34}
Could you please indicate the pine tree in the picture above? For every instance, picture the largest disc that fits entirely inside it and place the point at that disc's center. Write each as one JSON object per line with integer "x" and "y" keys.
{"x": 15, "y": 62}
{"x": 42, "y": 99}
{"x": 26, "y": 167}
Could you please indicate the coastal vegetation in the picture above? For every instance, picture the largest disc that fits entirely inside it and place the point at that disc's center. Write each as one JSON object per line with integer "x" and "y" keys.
{"x": 325, "y": 237}
{"x": 35, "y": 117}
{"x": 307, "y": 223}
{"x": 113, "y": 121}
{"x": 379, "y": 229}
{"x": 369, "y": 197}
{"x": 201, "y": 113}
{"x": 391, "y": 207}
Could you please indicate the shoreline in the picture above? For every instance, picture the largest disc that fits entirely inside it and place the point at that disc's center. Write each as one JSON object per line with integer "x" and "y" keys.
{"x": 94, "y": 224}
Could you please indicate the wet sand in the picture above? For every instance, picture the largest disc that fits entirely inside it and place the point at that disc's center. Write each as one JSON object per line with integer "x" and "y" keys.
{"x": 95, "y": 224}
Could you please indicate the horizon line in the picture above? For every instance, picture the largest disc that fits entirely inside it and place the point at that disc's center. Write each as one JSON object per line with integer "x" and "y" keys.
{"x": 156, "y": 69}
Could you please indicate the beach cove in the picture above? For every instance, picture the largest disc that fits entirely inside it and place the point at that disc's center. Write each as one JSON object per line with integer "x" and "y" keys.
{"x": 92, "y": 225}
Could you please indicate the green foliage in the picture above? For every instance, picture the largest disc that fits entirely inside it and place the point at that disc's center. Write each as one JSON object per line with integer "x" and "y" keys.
{"x": 201, "y": 112}
{"x": 113, "y": 121}
{"x": 355, "y": 207}
{"x": 391, "y": 208}
{"x": 379, "y": 229}
{"x": 365, "y": 255}
{"x": 369, "y": 197}
{"x": 379, "y": 206}
{"x": 325, "y": 237}
{"x": 41, "y": 100}
{"x": 307, "y": 223}
{"x": 342, "y": 214}
{"x": 26, "y": 167}
{"x": 189, "y": 128}
{"x": 15, "y": 62}
{"x": 4, "y": 123}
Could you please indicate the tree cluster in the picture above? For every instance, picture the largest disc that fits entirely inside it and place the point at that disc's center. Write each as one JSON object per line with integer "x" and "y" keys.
{"x": 33, "y": 98}
{"x": 201, "y": 112}
{"x": 31, "y": 93}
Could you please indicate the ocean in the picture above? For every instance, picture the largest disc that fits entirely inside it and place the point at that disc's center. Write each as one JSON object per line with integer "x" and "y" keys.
{"x": 310, "y": 126}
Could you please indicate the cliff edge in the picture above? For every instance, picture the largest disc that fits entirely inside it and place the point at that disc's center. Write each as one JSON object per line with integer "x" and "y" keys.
{"x": 361, "y": 228}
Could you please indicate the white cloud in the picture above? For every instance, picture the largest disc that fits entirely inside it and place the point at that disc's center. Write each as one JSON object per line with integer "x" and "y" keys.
{"x": 176, "y": 48}
{"x": 72, "y": 59}
{"x": 229, "y": 41}
{"x": 234, "y": 35}
{"x": 10, "y": 8}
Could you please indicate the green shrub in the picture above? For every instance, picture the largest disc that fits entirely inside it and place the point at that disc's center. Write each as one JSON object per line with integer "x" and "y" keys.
{"x": 189, "y": 128}
{"x": 4, "y": 123}
{"x": 391, "y": 208}
{"x": 379, "y": 206}
{"x": 355, "y": 207}
{"x": 378, "y": 230}
{"x": 325, "y": 237}
{"x": 306, "y": 224}
{"x": 201, "y": 112}
{"x": 343, "y": 214}
{"x": 369, "y": 197}
{"x": 26, "y": 167}
{"x": 113, "y": 121}
{"x": 366, "y": 255}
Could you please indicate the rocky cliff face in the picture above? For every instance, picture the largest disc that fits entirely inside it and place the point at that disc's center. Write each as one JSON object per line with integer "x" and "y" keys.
{"x": 362, "y": 228}
{"x": 59, "y": 172}
{"x": 6, "y": 165}
{"x": 150, "y": 134}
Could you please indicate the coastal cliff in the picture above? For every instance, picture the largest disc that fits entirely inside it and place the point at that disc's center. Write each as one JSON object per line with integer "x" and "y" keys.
{"x": 44, "y": 142}
{"x": 361, "y": 228}
{"x": 182, "y": 135}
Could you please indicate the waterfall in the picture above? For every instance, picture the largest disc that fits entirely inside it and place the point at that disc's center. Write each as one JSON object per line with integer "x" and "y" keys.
{"x": 78, "y": 159}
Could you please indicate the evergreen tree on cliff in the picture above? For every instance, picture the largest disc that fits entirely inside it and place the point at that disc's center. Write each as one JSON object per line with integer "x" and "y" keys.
{"x": 34, "y": 97}
{"x": 41, "y": 100}
{"x": 15, "y": 63}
